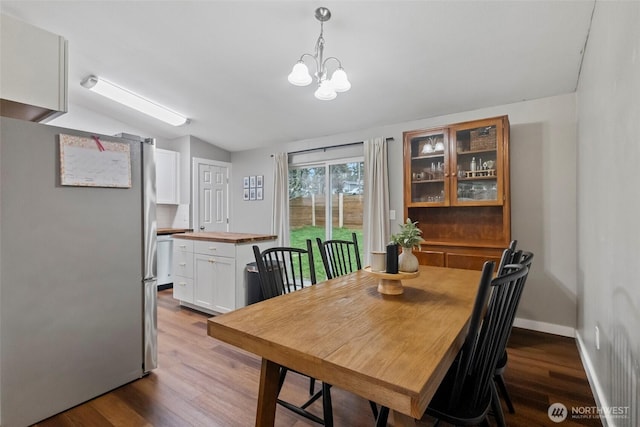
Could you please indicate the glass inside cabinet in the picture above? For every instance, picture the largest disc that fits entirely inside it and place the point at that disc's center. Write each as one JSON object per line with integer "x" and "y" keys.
{"x": 477, "y": 165}
{"x": 429, "y": 169}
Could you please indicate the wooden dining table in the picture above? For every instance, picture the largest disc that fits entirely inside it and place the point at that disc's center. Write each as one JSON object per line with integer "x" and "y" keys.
{"x": 390, "y": 349}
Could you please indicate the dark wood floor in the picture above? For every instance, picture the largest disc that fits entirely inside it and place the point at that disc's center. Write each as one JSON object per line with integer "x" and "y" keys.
{"x": 203, "y": 382}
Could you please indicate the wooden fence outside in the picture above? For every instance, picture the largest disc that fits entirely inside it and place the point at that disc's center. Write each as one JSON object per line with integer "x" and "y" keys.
{"x": 304, "y": 211}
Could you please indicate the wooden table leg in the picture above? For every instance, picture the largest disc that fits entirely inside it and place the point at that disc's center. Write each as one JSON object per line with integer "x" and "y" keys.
{"x": 268, "y": 394}
{"x": 401, "y": 420}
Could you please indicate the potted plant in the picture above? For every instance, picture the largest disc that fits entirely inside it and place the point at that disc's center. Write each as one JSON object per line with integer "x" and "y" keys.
{"x": 409, "y": 237}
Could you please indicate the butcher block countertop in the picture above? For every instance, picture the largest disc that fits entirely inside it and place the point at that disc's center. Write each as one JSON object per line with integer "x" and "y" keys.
{"x": 225, "y": 237}
{"x": 164, "y": 231}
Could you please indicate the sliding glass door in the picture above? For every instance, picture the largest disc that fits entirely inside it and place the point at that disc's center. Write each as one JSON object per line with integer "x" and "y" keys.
{"x": 325, "y": 201}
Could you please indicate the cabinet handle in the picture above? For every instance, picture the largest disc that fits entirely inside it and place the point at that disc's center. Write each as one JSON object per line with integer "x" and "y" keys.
{"x": 183, "y": 246}
{"x": 211, "y": 248}
{"x": 183, "y": 264}
{"x": 211, "y": 260}
{"x": 182, "y": 284}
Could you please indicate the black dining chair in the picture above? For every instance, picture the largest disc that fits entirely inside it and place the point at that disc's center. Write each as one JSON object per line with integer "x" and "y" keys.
{"x": 510, "y": 256}
{"x": 339, "y": 257}
{"x": 467, "y": 393}
{"x": 507, "y": 255}
{"x": 281, "y": 271}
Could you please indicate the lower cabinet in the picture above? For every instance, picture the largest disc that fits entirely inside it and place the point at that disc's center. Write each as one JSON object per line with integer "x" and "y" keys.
{"x": 468, "y": 258}
{"x": 182, "y": 262}
{"x": 183, "y": 289}
{"x": 209, "y": 276}
{"x": 215, "y": 283}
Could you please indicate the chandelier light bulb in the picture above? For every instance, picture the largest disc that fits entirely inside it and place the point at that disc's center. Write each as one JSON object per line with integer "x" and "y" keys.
{"x": 299, "y": 75}
{"x": 325, "y": 91}
{"x": 339, "y": 81}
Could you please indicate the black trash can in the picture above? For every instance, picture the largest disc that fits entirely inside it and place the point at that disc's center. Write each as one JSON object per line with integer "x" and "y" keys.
{"x": 254, "y": 290}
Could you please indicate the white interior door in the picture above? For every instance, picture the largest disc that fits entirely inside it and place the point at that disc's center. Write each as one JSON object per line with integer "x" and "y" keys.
{"x": 211, "y": 204}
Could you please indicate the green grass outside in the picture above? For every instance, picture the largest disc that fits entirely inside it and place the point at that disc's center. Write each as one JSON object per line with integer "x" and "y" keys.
{"x": 300, "y": 235}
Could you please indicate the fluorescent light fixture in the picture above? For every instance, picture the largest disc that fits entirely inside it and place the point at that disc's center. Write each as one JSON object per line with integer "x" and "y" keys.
{"x": 133, "y": 100}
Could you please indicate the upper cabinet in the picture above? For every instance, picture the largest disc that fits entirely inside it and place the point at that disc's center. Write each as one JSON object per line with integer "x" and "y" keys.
{"x": 456, "y": 185}
{"x": 479, "y": 156}
{"x": 427, "y": 180}
{"x": 458, "y": 165}
{"x": 167, "y": 177}
{"x": 33, "y": 72}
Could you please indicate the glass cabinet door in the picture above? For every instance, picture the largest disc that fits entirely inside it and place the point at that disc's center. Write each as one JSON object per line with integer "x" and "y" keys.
{"x": 477, "y": 162}
{"x": 429, "y": 168}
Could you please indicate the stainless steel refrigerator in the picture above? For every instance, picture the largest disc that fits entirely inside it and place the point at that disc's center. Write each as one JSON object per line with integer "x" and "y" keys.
{"x": 77, "y": 274}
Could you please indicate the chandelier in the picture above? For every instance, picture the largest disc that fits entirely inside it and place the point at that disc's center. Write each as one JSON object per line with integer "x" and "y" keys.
{"x": 327, "y": 87}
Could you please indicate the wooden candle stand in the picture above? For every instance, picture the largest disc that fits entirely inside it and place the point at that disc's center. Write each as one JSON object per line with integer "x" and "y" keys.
{"x": 391, "y": 284}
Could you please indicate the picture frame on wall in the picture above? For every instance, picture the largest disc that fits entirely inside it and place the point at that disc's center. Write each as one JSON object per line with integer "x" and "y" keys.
{"x": 252, "y": 187}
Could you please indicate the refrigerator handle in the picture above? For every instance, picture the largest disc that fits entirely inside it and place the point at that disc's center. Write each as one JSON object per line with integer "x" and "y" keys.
{"x": 149, "y": 245}
{"x": 150, "y": 322}
{"x": 150, "y": 227}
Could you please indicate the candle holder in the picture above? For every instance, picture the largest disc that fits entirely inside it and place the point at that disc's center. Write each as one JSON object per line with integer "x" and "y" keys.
{"x": 391, "y": 284}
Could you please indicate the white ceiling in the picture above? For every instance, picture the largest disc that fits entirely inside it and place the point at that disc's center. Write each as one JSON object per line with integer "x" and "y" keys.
{"x": 224, "y": 63}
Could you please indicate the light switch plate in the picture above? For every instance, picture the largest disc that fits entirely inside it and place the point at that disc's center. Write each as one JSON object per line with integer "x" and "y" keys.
{"x": 392, "y": 214}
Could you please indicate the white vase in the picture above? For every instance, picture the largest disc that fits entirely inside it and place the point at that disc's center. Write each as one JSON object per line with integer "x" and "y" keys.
{"x": 407, "y": 261}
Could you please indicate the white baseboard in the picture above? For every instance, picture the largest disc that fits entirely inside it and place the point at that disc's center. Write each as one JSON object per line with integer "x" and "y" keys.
{"x": 596, "y": 387}
{"x": 550, "y": 328}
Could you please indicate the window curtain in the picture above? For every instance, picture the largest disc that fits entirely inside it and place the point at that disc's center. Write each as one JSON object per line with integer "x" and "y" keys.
{"x": 376, "y": 197}
{"x": 280, "y": 208}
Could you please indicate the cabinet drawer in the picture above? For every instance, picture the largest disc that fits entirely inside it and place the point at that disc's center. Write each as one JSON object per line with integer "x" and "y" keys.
{"x": 430, "y": 258}
{"x": 183, "y": 289}
{"x": 215, "y": 248}
{"x": 183, "y": 264}
{"x": 182, "y": 245}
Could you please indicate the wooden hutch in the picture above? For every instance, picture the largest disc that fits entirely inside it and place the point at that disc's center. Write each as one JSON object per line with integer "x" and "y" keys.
{"x": 456, "y": 185}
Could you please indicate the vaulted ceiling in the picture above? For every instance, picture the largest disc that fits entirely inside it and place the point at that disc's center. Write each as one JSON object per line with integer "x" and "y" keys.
{"x": 224, "y": 64}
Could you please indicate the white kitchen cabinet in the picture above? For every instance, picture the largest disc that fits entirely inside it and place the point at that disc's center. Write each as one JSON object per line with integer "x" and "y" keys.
{"x": 214, "y": 282}
{"x": 209, "y": 273}
{"x": 183, "y": 289}
{"x": 183, "y": 270}
{"x": 167, "y": 177}
{"x": 203, "y": 279}
{"x": 33, "y": 71}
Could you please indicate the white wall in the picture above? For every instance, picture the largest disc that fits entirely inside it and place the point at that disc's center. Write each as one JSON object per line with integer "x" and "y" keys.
{"x": 608, "y": 103}
{"x": 543, "y": 185}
